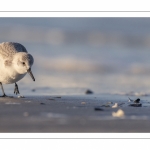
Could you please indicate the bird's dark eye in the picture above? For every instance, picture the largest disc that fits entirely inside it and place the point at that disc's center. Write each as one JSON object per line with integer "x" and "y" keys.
{"x": 23, "y": 63}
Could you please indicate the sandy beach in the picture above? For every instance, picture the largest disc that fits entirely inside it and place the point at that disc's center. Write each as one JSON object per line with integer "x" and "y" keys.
{"x": 72, "y": 55}
{"x": 73, "y": 114}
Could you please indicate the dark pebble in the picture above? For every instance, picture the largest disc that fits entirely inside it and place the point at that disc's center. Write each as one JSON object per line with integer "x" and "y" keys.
{"x": 98, "y": 109}
{"x": 33, "y": 90}
{"x": 88, "y": 92}
{"x": 137, "y": 100}
{"x": 136, "y": 105}
{"x": 42, "y": 103}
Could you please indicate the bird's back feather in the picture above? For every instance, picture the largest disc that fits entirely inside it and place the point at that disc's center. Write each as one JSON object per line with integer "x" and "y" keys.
{"x": 8, "y": 49}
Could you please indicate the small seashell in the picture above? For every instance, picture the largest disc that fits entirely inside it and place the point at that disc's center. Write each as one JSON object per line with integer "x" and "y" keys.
{"x": 119, "y": 113}
{"x": 115, "y": 105}
{"x": 21, "y": 96}
{"x": 135, "y": 101}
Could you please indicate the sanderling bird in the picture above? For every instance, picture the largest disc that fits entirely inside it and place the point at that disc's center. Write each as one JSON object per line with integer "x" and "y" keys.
{"x": 15, "y": 62}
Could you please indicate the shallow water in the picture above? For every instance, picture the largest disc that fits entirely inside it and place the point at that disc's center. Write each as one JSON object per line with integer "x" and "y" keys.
{"x": 106, "y": 55}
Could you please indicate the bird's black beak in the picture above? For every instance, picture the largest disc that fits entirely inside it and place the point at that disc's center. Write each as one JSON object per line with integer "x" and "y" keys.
{"x": 30, "y": 72}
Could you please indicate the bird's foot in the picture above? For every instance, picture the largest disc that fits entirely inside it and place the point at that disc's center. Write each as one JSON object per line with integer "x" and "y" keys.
{"x": 16, "y": 90}
{"x": 4, "y": 95}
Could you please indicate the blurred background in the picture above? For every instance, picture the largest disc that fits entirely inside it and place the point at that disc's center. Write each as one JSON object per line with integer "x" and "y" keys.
{"x": 105, "y": 55}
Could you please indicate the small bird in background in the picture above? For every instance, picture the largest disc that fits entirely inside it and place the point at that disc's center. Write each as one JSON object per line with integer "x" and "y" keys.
{"x": 15, "y": 62}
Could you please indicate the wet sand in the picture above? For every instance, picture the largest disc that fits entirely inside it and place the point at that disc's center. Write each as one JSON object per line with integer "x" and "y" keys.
{"x": 73, "y": 114}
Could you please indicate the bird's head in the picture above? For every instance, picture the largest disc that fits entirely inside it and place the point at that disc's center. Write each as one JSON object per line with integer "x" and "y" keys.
{"x": 23, "y": 62}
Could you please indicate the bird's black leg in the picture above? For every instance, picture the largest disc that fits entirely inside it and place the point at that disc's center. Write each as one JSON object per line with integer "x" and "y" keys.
{"x": 16, "y": 90}
{"x": 4, "y": 95}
